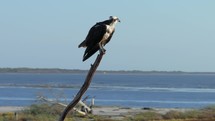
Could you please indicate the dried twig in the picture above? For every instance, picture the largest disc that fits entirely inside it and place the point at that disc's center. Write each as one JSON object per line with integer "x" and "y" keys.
{"x": 83, "y": 88}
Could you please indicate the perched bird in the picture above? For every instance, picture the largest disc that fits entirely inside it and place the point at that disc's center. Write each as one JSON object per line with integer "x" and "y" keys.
{"x": 98, "y": 36}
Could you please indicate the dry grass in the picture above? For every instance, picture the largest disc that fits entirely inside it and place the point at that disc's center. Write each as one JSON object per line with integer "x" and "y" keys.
{"x": 45, "y": 112}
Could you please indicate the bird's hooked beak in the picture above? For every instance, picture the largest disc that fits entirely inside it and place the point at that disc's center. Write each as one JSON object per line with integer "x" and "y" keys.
{"x": 118, "y": 20}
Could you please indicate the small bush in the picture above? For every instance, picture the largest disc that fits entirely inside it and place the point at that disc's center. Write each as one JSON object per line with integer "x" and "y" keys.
{"x": 44, "y": 109}
{"x": 192, "y": 114}
{"x": 173, "y": 115}
{"x": 147, "y": 116}
{"x": 210, "y": 108}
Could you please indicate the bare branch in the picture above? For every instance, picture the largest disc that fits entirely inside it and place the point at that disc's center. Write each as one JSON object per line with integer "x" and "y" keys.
{"x": 83, "y": 88}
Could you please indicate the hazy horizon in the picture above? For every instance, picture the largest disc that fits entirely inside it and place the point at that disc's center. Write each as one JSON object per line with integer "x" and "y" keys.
{"x": 74, "y": 69}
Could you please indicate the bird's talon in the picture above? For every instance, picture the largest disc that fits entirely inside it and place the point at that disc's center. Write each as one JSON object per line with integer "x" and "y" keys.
{"x": 102, "y": 51}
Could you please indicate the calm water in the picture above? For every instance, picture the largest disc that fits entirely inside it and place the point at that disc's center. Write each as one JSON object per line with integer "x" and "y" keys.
{"x": 179, "y": 90}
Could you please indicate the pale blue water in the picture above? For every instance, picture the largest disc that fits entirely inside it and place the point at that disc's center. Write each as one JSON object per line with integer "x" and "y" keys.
{"x": 140, "y": 90}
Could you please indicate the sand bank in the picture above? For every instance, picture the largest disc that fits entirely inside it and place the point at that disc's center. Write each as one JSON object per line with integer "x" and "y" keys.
{"x": 107, "y": 110}
{"x": 4, "y": 109}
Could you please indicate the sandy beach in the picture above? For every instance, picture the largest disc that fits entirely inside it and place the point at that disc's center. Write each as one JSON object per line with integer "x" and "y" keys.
{"x": 113, "y": 112}
{"x": 121, "y": 112}
{"x": 4, "y": 109}
{"x": 105, "y": 110}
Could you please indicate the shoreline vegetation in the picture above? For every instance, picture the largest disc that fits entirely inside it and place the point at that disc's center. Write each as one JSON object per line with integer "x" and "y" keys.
{"x": 47, "y": 112}
{"x": 78, "y": 71}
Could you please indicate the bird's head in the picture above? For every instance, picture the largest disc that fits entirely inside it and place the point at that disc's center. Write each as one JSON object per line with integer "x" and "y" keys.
{"x": 114, "y": 19}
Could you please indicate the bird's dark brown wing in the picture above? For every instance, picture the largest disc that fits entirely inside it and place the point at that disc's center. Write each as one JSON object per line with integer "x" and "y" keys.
{"x": 94, "y": 36}
{"x": 88, "y": 38}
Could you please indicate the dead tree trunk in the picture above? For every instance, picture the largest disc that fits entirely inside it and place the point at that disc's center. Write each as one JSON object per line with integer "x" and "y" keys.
{"x": 83, "y": 88}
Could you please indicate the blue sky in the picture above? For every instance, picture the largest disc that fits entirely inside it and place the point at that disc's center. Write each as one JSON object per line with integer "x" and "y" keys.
{"x": 163, "y": 35}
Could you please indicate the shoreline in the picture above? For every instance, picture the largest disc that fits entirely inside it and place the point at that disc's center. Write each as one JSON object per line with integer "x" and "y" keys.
{"x": 107, "y": 110}
{"x": 29, "y": 70}
{"x": 116, "y": 113}
{"x": 110, "y": 112}
{"x": 5, "y": 109}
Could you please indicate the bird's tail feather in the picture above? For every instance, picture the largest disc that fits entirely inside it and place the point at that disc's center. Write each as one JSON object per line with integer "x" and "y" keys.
{"x": 83, "y": 44}
{"x": 89, "y": 53}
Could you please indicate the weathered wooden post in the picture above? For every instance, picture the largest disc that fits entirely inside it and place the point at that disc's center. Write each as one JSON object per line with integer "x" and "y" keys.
{"x": 83, "y": 88}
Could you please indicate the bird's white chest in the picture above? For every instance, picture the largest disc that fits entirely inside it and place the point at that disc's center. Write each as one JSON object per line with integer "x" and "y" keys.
{"x": 109, "y": 30}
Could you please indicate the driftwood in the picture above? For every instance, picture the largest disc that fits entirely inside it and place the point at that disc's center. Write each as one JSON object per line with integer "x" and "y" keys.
{"x": 65, "y": 105}
{"x": 83, "y": 88}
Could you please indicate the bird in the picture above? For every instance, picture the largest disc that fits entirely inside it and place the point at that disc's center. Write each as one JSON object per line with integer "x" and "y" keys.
{"x": 98, "y": 36}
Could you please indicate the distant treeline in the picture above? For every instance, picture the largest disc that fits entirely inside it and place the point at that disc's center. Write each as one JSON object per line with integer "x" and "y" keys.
{"x": 40, "y": 70}
{"x": 57, "y": 70}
